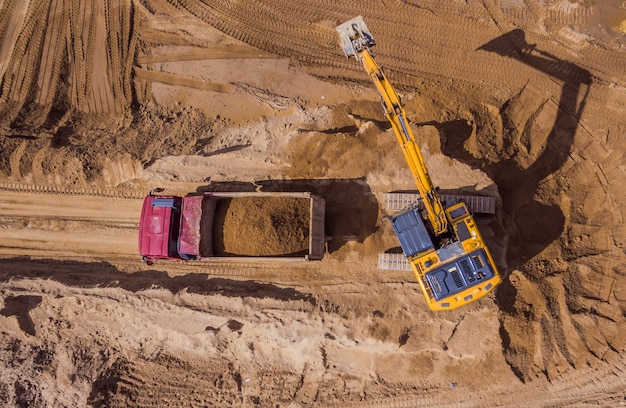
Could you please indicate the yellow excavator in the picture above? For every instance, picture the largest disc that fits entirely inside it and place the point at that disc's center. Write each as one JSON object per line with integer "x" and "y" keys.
{"x": 447, "y": 254}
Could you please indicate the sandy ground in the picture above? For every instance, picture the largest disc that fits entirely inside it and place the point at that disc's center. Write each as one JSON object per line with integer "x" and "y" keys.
{"x": 523, "y": 101}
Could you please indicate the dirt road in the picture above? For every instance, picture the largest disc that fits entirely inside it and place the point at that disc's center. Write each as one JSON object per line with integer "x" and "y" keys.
{"x": 522, "y": 101}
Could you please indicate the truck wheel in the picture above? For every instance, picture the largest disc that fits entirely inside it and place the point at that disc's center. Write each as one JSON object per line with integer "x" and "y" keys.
{"x": 147, "y": 261}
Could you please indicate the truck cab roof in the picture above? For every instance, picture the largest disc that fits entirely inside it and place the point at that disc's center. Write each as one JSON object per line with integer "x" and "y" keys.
{"x": 155, "y": 229}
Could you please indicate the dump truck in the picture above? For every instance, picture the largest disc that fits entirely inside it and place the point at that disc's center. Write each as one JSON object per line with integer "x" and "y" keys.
{"x": 442, "y": 243}
{"x": 232, "y": 226}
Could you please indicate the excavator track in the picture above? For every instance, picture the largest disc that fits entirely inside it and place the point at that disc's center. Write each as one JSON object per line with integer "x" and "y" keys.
{"x": 393, "y": 262}
{"x": 476, "y": 204}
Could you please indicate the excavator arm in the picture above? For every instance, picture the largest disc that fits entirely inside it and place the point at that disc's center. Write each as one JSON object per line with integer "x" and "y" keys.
{"x": 449, "y": 258}
{"x": 357, "y": 42}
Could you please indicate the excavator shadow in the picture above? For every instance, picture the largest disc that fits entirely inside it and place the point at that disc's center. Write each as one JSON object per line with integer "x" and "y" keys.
{"x": 351, "y": 207}
{"x": 20, "y": 306}
{"x": 531, "y": 225}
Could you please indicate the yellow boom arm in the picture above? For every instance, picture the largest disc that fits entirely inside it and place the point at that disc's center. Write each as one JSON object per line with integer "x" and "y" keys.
{"x": 449, "y": 258}
{"x": 356, "y": 41}
{"x": 395, "y": 113}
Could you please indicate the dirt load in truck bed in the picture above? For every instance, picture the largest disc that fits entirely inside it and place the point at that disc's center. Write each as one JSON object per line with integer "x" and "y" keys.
{"x": 256, "y": 226}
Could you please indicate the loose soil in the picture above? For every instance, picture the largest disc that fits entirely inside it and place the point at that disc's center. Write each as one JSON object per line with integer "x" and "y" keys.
{"x": 254, "y": 226}
{"x": 100, "y": 102}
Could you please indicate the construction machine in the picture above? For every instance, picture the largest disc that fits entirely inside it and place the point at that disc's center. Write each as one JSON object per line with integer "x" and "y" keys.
{"x": 447, "y": 254}
{"x": 188, "y": 228}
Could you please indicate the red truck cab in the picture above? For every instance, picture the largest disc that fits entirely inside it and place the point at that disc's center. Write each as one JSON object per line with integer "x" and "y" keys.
{"x": 169, "y": 227}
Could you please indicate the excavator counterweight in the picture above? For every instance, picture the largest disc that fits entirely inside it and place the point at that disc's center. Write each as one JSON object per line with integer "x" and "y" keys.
{"x": 447, "y": 254}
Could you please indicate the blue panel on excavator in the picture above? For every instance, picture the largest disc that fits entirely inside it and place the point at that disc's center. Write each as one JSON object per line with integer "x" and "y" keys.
{"x": 459, "y": 274}
{"x": 411, "y": 232}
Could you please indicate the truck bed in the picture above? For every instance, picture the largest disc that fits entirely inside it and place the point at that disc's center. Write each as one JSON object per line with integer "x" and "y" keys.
{"x": 262, "y": 225}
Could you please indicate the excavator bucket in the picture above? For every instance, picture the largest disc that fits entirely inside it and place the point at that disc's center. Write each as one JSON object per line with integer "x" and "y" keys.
{"x": 355, "y": 36}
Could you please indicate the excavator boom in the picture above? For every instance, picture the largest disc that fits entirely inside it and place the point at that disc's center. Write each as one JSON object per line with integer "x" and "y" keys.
{"x": 357, "y": 41}
{"x": 447, "y": 253}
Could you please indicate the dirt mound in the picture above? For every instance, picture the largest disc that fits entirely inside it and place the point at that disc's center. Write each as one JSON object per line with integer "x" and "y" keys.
{"x": 561, "y": 301}
{"x": 102, "y": 150}
{"x": 254, "y": 226}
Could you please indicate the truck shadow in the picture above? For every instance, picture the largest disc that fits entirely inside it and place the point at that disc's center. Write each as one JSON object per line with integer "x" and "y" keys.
{"x": 103, "y": 274}
{"x": 531, "y": 224}
{"x": 351, "y": 207}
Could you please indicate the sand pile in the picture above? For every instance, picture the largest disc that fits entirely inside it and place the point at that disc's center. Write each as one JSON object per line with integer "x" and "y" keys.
{"x": 254, "y": 226}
